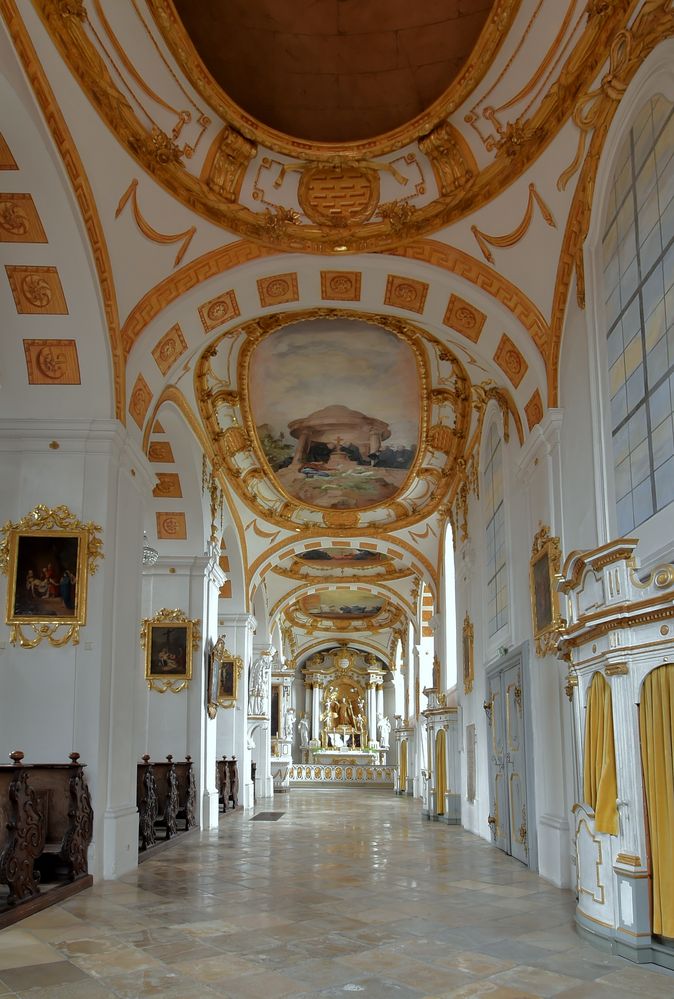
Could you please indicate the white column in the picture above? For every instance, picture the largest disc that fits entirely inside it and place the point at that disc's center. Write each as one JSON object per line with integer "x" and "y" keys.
{"x": 380, "y": 699}
{"x": 316, "y": 711}
{"x": 371, "y": 713}
{"x": 232, "y": 734}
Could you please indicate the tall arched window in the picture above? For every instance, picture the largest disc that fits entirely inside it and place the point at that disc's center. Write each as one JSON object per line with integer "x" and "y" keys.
{"x": 638, "y": 258}
{"x": 497, "y": 572}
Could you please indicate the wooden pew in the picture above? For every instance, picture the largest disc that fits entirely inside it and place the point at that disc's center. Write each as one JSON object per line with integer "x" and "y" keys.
{"x": 167, "y": 796}
{"x": 187, "y": 793}
{"x": 146, "y": 800}
{"x": 222, "y": 782}
{"x": 62, "y": 791}
{"x": 233, "y": 781}
{"x": 22, "y": 832}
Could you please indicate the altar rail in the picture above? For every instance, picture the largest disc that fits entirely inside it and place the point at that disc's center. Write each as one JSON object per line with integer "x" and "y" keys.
{"x": 342, "y": 773}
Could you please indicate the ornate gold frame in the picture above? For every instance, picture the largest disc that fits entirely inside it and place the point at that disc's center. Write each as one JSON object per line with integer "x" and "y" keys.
{"x": 468, "y": 634}
{"x": 224, "y": 659}
{"x": 169, "y": 619}
{"x": 60, "y": 523}
{"x": 544, "y": 573}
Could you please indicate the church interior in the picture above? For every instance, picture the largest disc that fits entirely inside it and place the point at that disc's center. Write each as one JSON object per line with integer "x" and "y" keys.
{"x": 337, "y": 436}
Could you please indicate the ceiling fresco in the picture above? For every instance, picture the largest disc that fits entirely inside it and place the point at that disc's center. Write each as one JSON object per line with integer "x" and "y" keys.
{"x": 331, "y": 70}
{"x": 343, "y": 558}
{"x": 343, "y": 604}
{"x": 339, "y": 403}
{"x": 336, "y": 412}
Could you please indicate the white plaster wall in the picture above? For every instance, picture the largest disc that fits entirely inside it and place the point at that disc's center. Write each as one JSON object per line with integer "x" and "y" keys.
{"x": 80, "y": 697}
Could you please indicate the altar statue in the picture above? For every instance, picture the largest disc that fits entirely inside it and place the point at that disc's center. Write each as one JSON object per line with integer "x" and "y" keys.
{"x": 259, "y": 683}
{"x": 289, "y": 724}
{"x": 383, "y": 731}
{"x": 303, "y": 729}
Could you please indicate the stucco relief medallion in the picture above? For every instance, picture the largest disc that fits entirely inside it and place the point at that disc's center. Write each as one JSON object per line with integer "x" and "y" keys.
{"x": 338, "y": 424}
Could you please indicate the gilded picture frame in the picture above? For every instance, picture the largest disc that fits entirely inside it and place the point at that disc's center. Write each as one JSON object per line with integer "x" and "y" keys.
{"x": 169, "y": 639}
{"x": 544, "y": 569}
{"x": 47, "y": 557}
{"x": 467, "y": 636}
{"x": 229, "y": 669}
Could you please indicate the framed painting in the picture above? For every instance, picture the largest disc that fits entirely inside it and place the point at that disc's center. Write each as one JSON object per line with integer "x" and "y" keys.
{"x": 47, "y": 557}
{"x": 229, "y": 669}
{"x": 544, "y": 569}
{"x": 467, "y": 656}
{"x": 169, "y": 639}
{"x": 212, "y": 683}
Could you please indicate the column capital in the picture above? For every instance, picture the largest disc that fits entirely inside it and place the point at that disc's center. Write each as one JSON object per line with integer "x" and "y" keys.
{"x": 247, "y": 621}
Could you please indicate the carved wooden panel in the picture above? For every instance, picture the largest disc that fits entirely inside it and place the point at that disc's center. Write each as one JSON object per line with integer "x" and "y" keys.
{"x": 278, "y": 289}
{"x": 406, "y": 293}
{"x": 534, "y": 410}
{"x": 510, "y": 360}
{"x": 139, "y": 403}
{"x": 340, "y": 286}
{"x": 52, "y": 362}
{"x": 19, "y": 220}
{"x": 36, "y": 290}
{"x": 171, "y": 527}
{"x": 219, "y": 310}
{"x": 465, "y": 318}
{"x": 167, "y": 350}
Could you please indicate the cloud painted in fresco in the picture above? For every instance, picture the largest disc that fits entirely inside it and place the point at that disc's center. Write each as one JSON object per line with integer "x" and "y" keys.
{"x": 317, "y": 363}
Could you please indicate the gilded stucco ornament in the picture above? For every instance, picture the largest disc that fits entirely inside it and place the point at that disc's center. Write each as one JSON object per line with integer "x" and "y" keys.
{"x": 377, "y": 219}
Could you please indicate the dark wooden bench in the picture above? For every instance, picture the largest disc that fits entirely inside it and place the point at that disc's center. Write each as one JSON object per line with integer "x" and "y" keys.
{"x": 62, "y": 792}
{"x": 222, "y": 782}
{"x": 166, "y": 794}
{"x": 187, "y": 793}
{"x": 146, "y": 800}
{"x": 227, "y": 782}
{"x": 22, "y": 832}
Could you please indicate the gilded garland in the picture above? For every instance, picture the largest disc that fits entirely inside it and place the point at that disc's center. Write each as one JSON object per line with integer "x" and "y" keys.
{"x": 47, "y": 557}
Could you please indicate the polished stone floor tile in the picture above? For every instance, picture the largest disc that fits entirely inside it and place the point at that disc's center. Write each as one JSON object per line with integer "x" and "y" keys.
{"x": 351, "y": 893}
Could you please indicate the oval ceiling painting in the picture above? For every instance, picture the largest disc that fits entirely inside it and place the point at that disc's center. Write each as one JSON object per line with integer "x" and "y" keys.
{"x": 342, "y": 557}
{"x": 343, "y": 604}
{"x": 336, "y": 409}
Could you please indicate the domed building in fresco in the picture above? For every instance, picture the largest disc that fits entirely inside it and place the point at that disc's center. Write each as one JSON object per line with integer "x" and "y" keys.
{"x": 337, "y": 436}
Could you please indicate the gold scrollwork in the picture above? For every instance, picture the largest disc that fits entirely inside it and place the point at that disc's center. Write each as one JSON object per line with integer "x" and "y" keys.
{"x": 53, "y": 552}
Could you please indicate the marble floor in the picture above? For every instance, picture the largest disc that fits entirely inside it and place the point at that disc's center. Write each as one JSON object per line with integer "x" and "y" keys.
{"x": 347, "y": 892}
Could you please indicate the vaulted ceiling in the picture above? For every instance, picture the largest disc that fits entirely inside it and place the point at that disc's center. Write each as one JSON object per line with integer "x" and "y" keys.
{"x": 327, "y": 304}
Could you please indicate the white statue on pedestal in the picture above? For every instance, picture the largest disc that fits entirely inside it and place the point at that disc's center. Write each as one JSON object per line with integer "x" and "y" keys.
{"x": 383, "y": 731}
{"x": 289, "y": 724}
{"x": 258, "y": 684}
{"x": 303, "y": 728}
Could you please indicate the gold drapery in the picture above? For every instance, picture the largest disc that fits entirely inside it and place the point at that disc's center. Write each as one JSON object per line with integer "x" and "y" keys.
{"x": 402, "y": 776}
{"x": 440, "y": 772}
{"x": 656, "y": 714}
{"x": 600, "y": 783}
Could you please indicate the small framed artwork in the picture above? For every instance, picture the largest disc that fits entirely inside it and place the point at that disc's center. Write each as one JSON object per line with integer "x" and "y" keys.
{"x": 544, "y": 569}
{"x": 212, "y": 679}
{"x": 229, "y": 669}
{"x": 169, "y": 639}
{"x": 48, "y": 557}
{"x": 468, "y": 663}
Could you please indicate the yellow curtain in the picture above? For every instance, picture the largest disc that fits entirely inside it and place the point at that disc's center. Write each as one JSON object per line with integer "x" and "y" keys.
{"x": 656, "y": 714}
{"x": 402, "y": 776}
{"x": 600, "y": 788}
{"x": 440, "y": 772}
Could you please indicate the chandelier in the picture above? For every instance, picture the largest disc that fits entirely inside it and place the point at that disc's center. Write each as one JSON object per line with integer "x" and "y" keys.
{"x": 150, "y": 555}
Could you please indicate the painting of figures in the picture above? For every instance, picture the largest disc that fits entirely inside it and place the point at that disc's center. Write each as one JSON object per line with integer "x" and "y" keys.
{"x": 336, "y": 406}
{"x": 168, "y": 650}
{"x": 45, "y": 583}
{"x": 342, "y": 604}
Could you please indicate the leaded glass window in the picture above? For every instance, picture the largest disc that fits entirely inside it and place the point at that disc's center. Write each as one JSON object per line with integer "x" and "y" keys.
{"x": 497, "y": 572}
{"x": 638, "y": 253}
